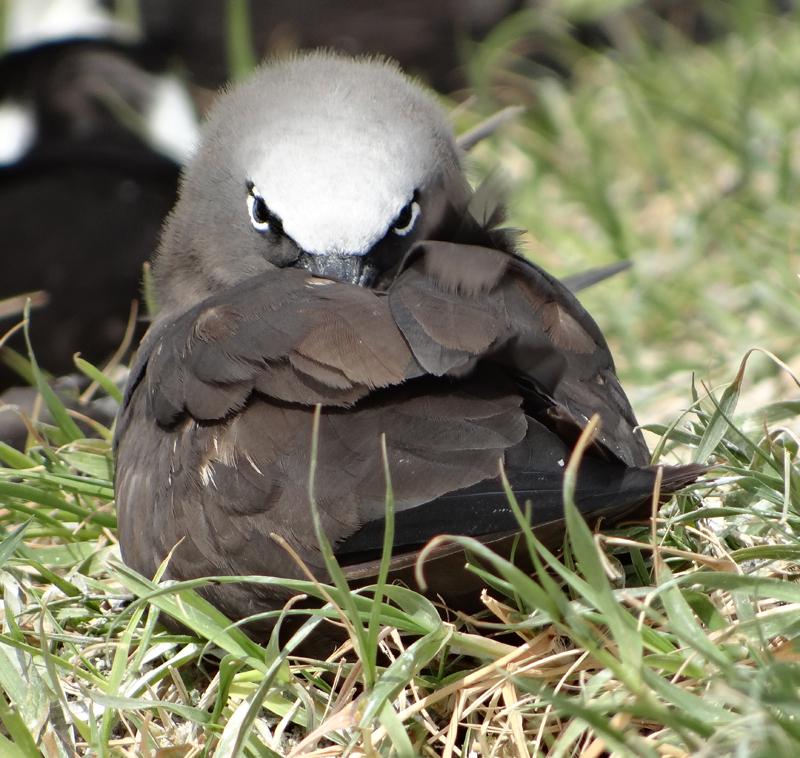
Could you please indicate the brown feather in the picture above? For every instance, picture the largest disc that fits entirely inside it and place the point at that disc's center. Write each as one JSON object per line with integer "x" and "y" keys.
{"x": 564, "y": 330}
{"x": 468, "y": 270}
{"x": 451, "y": 322}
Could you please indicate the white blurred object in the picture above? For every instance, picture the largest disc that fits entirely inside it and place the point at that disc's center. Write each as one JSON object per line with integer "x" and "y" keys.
{"x": 171, "y": 119}
{"x": 35, "y": 22}
{"x": 17, "y": 131}
{"x": 158, "y": 108}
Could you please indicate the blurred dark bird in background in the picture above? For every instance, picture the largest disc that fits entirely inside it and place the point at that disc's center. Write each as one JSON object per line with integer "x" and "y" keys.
{"x": 327, "y": 249}
{"x": 92, "y": 136}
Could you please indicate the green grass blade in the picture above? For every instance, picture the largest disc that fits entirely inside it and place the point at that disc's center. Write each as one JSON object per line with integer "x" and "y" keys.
{"x": 14, "y": 458}
{"x": 54, "y": 405}
{"x": 98, "y": 376}
{"x": 240, "y": 50}
{"x": 10, "y": 544}
{"x": 16, "y": 728}
{"x": 360, "y": 635}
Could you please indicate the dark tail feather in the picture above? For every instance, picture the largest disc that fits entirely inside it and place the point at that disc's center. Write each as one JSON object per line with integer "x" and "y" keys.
{"x": 488, "y": 127}
{"x": 675, "y": 478}
{"x": 592, "y": 276}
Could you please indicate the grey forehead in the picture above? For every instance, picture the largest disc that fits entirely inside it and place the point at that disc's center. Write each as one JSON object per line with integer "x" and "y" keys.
{"x": 366, "y": 99}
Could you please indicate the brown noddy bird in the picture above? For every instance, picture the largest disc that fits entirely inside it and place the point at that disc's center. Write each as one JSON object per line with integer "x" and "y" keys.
{"x": 327, "y": 249}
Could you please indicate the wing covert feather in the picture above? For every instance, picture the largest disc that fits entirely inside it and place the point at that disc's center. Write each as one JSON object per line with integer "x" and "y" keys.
{"x": 292, "y": 337}
{"x": 515, "y": 314}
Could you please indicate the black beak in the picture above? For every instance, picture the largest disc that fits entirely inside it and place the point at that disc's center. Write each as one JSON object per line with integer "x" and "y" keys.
{"x": 353, "y": 269}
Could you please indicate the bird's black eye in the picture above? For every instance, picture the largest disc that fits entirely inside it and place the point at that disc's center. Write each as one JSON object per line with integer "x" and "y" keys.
{"x": 262, "y": 218}
{"x": 407, "y": 217}
{"x": 260, "y": 212}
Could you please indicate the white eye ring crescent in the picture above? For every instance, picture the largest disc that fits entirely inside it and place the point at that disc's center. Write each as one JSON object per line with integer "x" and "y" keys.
{"x": 402, "y": 231}
{"x": 253, "y": 197}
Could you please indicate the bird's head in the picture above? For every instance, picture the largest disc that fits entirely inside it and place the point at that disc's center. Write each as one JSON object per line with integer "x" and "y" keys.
{"x": 323, "y": 162}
